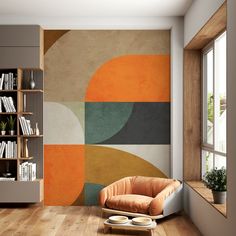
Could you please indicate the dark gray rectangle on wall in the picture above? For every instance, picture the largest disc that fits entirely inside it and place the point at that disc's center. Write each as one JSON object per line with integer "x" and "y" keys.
{"x": 19, "y": 57}
{"x": 149, "y": 123}
{"x": 20, "y": 35}
{"x": 143, "y": 123}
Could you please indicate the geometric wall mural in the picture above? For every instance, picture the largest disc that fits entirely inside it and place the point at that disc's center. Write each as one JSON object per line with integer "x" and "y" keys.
{"x": 106, "y": 110}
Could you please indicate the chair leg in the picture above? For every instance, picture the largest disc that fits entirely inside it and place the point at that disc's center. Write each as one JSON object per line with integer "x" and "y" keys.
{"x": 104, "y": 215}
{"x": 106, "y": 229}
{"x": 151, "y": 232}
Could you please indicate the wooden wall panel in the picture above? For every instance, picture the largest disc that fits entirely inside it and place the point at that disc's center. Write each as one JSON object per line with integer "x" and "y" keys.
{"x": 215, "y": 25}
{"x": 192, "y": 114}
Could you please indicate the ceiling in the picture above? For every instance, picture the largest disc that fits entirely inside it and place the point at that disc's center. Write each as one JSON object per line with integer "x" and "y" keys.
{"x": 94, "y": 8}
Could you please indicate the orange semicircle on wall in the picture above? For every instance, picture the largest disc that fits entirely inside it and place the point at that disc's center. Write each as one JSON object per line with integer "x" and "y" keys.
{"x": 131, "y": 78}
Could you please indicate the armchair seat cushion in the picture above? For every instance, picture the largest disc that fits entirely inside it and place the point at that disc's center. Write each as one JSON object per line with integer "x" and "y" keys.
{"x": 130, "y": 202}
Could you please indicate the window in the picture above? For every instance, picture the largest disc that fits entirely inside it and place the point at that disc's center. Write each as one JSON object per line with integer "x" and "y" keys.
{"x": 214, "y": 105}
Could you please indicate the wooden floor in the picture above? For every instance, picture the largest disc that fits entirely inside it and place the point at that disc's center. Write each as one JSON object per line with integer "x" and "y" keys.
{"x": 76, "y": 220}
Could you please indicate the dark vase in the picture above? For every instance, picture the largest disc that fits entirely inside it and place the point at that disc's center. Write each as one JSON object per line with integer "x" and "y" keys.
{"x": 32, "y": 82}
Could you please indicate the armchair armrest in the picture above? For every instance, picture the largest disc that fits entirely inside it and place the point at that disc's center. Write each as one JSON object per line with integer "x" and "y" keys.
{"x": 120, "y": 187}
{"x": 157, "y": 204}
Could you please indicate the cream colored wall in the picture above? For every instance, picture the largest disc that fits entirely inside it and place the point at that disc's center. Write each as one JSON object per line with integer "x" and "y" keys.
{"x": 209, "y": 221}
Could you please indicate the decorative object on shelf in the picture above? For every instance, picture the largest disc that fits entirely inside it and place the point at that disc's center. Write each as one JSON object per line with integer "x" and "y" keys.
{"x": 216, "y": 180}
{"x": 11, "y": 125}
{"x": 25, "y": 148}
{"x": 32, "y": 82}
{"x": 7, "y": 174}
{"x": 37, "y": 129}
{"x": 3, "y": 126}
{"x": 24, "y": 102}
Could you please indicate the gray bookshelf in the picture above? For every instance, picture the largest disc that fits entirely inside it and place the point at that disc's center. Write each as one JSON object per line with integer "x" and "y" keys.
{"x": 21, "y": 50}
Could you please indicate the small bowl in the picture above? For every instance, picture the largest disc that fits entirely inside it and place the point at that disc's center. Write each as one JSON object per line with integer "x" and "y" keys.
{"x": 118, "y": 219}
{"x": 141, "y": 221}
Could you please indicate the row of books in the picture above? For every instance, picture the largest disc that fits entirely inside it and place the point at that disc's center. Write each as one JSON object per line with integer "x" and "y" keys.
{"x": 9, "y": 148}
{"x": 27, "y": 171}
{"x": 8, "y": 82}
{"x": 7, "y": 179}
{"x": 25, "y": 126}
{"x": 8, "y": 104}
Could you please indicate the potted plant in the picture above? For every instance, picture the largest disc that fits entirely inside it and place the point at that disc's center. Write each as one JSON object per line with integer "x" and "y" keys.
{"x": 3, "y": 126}
{"x": 11, "y": 124}
{"x": 216, "y": 180}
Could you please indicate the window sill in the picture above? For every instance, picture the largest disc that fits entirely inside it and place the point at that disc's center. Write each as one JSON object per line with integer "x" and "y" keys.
{"x": 205, "y": 193}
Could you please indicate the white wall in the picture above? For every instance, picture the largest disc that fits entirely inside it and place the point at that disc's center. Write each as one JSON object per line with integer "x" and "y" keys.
{"x": 197, "y": 15}
{"x": 173, "y": 23}
{"x": 209, "y": 221}
{"x": 231, "y": 129}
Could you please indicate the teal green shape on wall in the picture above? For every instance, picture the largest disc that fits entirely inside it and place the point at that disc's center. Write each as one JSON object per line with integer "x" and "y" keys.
{"x": 105, "y": 119}
{"x": 91, "y": 193}
{"x": 78, "y": 109}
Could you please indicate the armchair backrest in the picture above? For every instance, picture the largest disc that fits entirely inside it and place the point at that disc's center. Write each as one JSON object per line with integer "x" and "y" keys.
{"x": 149, "y": 186}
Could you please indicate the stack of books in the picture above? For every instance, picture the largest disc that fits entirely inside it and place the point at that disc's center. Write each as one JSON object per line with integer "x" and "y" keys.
{"x": 8, "y": 104}
{"x": 8, "y": 82}
{"x": 25, "y": 126}
{"x": 10, "y": 149}
{"x": 27, "y": 171}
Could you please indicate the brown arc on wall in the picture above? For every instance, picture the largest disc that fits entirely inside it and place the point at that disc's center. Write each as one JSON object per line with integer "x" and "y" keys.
{"x": 51, "y": 36}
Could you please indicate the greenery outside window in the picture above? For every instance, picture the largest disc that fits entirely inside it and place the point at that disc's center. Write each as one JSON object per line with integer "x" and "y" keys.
{"x": 214, "y": 105}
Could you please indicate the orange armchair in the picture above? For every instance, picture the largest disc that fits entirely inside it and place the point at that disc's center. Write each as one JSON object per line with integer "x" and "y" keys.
{"x": 138, "y": 195}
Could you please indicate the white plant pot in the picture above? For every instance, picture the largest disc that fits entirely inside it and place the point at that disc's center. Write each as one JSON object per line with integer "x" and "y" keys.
{"x": 3, "y": 132}
{"x": 11, "y": 132}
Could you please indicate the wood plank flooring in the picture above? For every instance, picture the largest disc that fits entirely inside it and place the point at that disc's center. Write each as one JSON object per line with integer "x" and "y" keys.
{"x": 79, "y": 221}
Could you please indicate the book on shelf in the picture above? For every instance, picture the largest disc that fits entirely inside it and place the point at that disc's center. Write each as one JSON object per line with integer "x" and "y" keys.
{"x": 10, "y": 149}
{"x": 27, "y": 171}
{"x": 25, "y": 126}
{"x": 8, "y": 104}
{"x": 8, "y": 81}
{"x": 7, "y": 179}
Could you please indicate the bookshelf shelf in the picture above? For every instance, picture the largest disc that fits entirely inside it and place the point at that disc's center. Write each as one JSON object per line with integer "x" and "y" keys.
{"x": 16, "y": 113}
{"x": 25, "y": 113}
{"x": 25, "y": 158}
{"x": 21, "y": 136}
{"x": 15, "y": 159}
{"x": 8, "y": 113}
{"x": 23, "y": 91}
{"x": 31, "y": 90}
{"x": 8, "y": 91}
